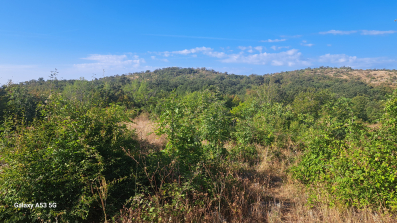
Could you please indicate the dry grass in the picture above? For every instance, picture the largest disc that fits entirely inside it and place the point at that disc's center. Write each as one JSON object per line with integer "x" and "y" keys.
{"x": 292, "y": 206}
{"x": 238, "y": 194}
{"x": 374, "y": 125}
{"x": 144, "y": 128}
{"x": 368, "y": 76}
{"x": 263, "y": 192}
{"x": 290, "y": 199}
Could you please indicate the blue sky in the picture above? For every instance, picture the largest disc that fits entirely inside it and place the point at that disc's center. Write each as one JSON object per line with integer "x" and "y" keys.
{"x": 83, "y": 38}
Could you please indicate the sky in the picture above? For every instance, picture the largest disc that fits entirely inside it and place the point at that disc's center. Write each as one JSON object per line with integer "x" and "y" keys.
{"x": 92, "y": 39}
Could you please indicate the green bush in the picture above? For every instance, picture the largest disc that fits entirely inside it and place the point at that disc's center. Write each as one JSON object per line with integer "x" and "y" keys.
{"x": 72, "y": 157}
{"x": 191, "y": 120}
{"x": 260, "y": 123}
{"x": 358, "y": 169}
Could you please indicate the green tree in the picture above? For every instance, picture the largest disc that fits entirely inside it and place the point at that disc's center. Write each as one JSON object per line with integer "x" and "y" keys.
{"x": 359, "y": 107}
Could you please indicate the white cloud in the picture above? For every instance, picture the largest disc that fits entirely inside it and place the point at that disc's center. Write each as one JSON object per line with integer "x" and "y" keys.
{"x": 154, "y": 58}
{"x": 204, "y": 50}
{"x": 186, "y": 51}
{"x": 363, "y": 32}
{"x": 329, "y": 45}
{"x": 304, "y": 43}
{"x": 215, "y": 54}
{"x": 194, "y": 50}
{"x": 337, "y": 58}
{"x": 279, "y": 47}
{"x": 273, "y": 40}
{"x": 376, "y": 32}
{"x": 110, "y": 62}
{"x": 288, "y": 58}
{"x": 338, "y": 32}
{"x": 248, "y": 48}
{"x": 259, "y": 48}
{"x": 353, "y": 61}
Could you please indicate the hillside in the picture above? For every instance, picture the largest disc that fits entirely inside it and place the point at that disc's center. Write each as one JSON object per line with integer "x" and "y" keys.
{"x": 196, "y": 79}
{"x": 143, "y": 90}
{"x": 372, "y": 77}
{"x": 196, "y": 145}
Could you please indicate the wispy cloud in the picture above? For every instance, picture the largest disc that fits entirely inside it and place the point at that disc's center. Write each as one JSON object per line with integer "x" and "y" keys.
{"x": 155, "y": 58}
{"x": 288, "y": 58}
{"x": 376, "y": 32}
{"x": 204, "y": 50}
{"x": 250, "y": 49}
{"x": 273, "y": 40}
{"x": 338, "y": 32}
{"x": 110, "y": 62}
{"x": 304, "y": 43}
{"x": 362, "y": 32}
{"x": 279, "y": 47}
{"x": 259, "y": 48}
{"x": 354, "y": 61}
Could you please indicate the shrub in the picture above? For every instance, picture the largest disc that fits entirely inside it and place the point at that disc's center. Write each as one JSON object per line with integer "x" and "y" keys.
{"x": 72, "y": 157}
{"x": 358, "y": 169}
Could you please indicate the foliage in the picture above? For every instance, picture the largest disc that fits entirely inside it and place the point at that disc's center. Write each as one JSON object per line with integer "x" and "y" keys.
{"x": 191, "y": 120}
{"x": 357, "y": 165}
{"x": 63, "y": 159}
{"x": 64, "y": 141}
{"x": 21, "y": 104}
{"x": 3, "y": 102}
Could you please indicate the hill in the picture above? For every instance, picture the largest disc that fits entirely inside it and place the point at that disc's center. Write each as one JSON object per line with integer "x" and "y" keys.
{"x": 142, "y": 90}
{"x": 228, "y": 147}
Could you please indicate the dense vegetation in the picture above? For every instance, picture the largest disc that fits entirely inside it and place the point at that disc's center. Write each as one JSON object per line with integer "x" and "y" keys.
{"x": 66, "y": 142}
